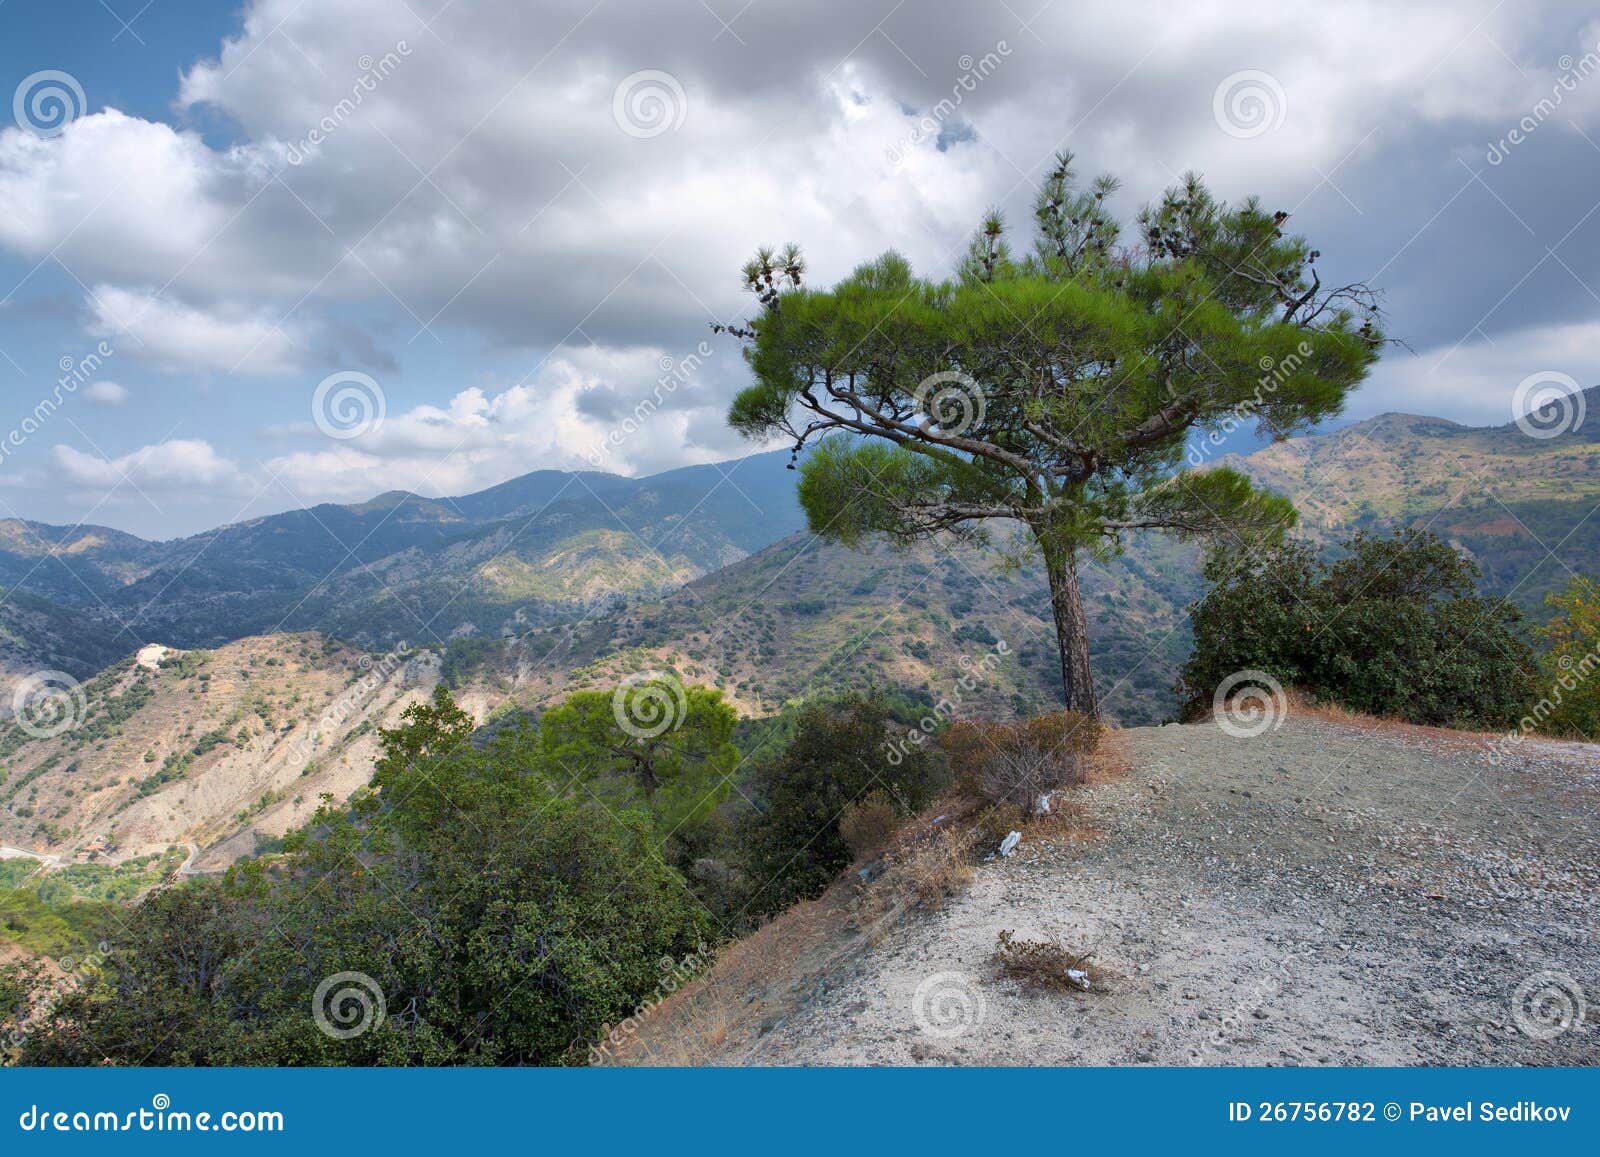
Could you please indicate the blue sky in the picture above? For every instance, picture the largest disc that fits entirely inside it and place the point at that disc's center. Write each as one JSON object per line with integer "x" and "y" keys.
{"x": 515, "y": 226}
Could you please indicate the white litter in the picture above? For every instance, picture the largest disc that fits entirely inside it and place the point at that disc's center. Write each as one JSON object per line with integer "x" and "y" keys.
{"x": 1078, "y": 977}
{"x": 1010, "y": 842}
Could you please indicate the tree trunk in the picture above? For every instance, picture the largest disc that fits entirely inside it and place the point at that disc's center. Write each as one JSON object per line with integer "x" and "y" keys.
{"x": 1072, "y": 629}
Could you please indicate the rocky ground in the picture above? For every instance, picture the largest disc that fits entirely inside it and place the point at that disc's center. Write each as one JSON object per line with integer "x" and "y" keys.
{"x": 1329, "y": 892}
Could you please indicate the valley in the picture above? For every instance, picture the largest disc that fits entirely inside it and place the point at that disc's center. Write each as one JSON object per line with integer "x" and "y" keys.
{"x": 284, "y": 643}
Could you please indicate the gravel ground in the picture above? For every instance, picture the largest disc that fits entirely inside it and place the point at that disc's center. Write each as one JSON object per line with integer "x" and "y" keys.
{"x": 1329, "y": 892}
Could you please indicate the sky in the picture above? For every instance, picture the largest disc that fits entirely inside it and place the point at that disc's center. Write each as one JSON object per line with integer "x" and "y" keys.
{"x": 300, "y": 251}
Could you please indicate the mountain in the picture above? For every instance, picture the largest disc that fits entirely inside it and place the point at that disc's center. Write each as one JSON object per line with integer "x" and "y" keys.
{"x": 1518, "y": 505}
{"x": 519, "y": 594}
{"x": 540, "y": 548}
{"x": 805, "y": 618}
{"x": 203, "y": 747}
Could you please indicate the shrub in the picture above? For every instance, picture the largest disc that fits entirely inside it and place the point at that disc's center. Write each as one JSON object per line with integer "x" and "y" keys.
{"x": 500, "y": 925}
{"x": 1391, "y": 627}
{"x": 1045, "y": 963}
{"x": 1021, "y": 763}
{"x": 792, "y": 845}
{"x": 866, "y": 825}
{"x": 1570, "y": 705}
{"x": 998, "y": 821}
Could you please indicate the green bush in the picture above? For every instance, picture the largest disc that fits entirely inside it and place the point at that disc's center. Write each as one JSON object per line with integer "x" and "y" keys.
{"x": 498, "y": 924}
{"x": 1390, "y": 627}
{"x": 839, "y": 753}
{"x": 1569, "y": 698}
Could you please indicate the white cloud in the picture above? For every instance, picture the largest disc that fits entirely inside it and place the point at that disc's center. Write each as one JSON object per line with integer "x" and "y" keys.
{"x": 177, "y": 465}
{"x": 483, "y": 437}
{"x": 106, "y": 393}
{"x": 228, "y": 338}
{"x": 484, "y": 193}
{"x": 485, "y": 181}
{"x": 1475, "y": 381}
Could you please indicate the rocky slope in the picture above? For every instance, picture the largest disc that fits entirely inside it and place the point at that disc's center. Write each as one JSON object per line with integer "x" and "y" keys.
{"x": 216, "y": 748}
{"x": 1331, "y": 892}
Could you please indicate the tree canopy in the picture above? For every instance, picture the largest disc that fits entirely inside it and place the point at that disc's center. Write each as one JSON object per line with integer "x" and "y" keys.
{"x": 1056, "y": 389}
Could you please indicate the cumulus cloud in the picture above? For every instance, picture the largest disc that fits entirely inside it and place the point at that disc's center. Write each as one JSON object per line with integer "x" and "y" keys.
{"x": 176, "y": 465}
{"x": 227, "y": 339}
{"x": 483, "y": 178}
{"x": 106, "y": 393}
{"x": 397, "y": 174}
{"x": 1475, "y": 381}
{"x": 482, "y": 437}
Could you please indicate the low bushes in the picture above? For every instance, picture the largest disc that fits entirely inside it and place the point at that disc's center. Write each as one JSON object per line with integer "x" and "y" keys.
{"x": 1021, "y": 763}
{"x": 832, "y": 787}
{"x": 1391, "y": 627}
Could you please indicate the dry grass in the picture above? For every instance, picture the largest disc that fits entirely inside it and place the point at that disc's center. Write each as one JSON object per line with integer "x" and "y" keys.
{"x": 927, "y": 860}
{"x": 1047, "y": 964}
{"x": 1024, "y": 761}
{"x": 868, "y": 824}
{"x": 1307, "y": 706}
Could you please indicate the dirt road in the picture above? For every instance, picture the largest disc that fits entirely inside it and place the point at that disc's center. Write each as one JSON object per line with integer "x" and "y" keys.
{"x": 1325, "y": 893}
